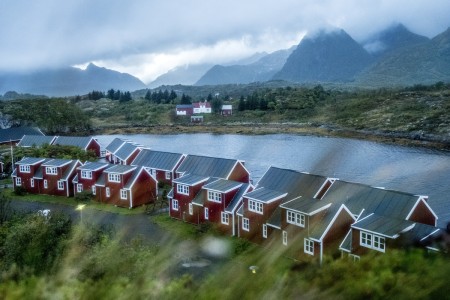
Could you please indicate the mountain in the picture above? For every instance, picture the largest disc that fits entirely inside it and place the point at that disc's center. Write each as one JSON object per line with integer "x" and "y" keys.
{"x": 68, "y": 81}
{"x": 185, "y": 75}
{"x": 327, "y": 57}
{"x": 424, "y": 63}
{"x": 261, "y": 70}
{"x": 391, "y": 39}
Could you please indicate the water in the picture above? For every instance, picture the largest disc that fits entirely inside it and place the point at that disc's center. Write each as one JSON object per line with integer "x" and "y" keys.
{"x": 414, "y": 170}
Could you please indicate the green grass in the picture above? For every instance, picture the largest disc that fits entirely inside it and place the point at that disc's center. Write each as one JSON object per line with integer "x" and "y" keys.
{"x": 72, "y": 202}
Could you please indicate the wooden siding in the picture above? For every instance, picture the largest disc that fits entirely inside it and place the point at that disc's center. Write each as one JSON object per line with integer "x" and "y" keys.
{"x": 422, "y": 214}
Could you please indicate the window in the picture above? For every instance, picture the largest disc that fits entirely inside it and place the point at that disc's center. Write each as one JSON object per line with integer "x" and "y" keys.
{"x": 168, "y": 175}
{"x": 183, "y": 189}
{"x": 51, "y": 171}
{"x": 123, "y": 194}
{"x": 114, "y": 177}
{"x": 214, "y": 196}
{"x": 24, "y": 168}
{"x": 175, "y": 204}
{"x": 295, "y": 218}
{"x": 246, "y": 224}
{"x": 108, "y": 192}
{"x": 255, "y": 206}
{"x": 285, "y": 237}
{"x": 18, "y": 181}
{"x": 94, "y": 190}
{"x": 32, "y": 182}
{"x": 45, "y": 184}
{"x": 264, "y": 231}
{"x": 86, "y": 174}
{"x": 60, "y": 185}
{"x": 191, "y": 209}
{"x": 308, "y": 247}
{"x": 225, "y": 218}
{"x": 206, "y": 213}
{"x": 372, "y": 241}
{"x": 79, "y": 188}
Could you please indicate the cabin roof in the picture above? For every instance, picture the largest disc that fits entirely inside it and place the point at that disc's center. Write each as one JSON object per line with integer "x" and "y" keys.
{"x": 17, "y": 133}
{"x": 70, "y": 170}
{"x": 57, "y": 162}
{"x": 265, "y": 195}
{"x": 275, "y": 218}
{"x": 207, "y": 166}
{"x": 30, "y": 161}
{"x": 184, "y": 106}
{"x": 93, "y": 166}
{"x": 159, "y": 160}
{"x": 389, "y": 227}
{"x": 114, "y": 145}
{"x": 77, "y": 141}
{"x": 223, "y": 185}
{"x": 199, "y": 199}
{"x": 121, "y": 169}
{"x": 305, "y": 205}
{"x": 191, "y": 179}
{"x": 35, "y": 140}
{"x": 236, "y": 201}
{"x": 125, "y": 151}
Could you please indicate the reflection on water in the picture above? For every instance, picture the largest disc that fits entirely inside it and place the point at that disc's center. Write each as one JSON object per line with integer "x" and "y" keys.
{"x": 414, "y": 170}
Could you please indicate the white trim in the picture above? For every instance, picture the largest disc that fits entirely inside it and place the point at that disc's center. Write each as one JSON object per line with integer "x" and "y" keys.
{"x": 340, "y": 246}
{"x": 24, "y": 168}
{"x": 79, "y": 187}
{"x": 264, "y": 231}
{"x": 269, "y": 201}
{"x": 246, "y": 221}
{"x": 108, "y": 192}
{"x": 372, "y": 239}
{"x": 285, "y": 238}
{"x": 430, "y": 234}
{"x": 225, "y": 218}
{"x": 45, "y": 184}
{"x": 258, "y": 206}
{"x": 307, "y": 246}
{"x": 422, "y": 199}
{"x": 175, "y": 205}
{"x": 51, "y": 170}
{"x": 32, "y": 182}
{"x": 241, "y": 162}
{"x": 191, "y": 209}
{"x": 214, "y": 196}
{"x": 331, "y": 180}
{"x": 183, "y": 189}
{"x": 206, "y": 213}
{"x": 123, "y": 194}
{"x": 293, "y": 216}
{"x": 236, "y": 208}
{"x": 18, "y": 181}
{"x": 94, "y": 190}
{"x": 85, "y": 174}
{"x": 60, "y": 184}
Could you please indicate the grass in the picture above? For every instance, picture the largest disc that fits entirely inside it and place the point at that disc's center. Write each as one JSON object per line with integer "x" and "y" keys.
{"x": 72, "y": 202}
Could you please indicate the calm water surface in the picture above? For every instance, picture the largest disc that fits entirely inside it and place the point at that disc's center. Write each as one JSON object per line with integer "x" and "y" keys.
{"x": 414, "y": 170}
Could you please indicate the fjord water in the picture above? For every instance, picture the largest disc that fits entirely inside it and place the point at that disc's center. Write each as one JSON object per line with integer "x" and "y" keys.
{"x": 414, "y": 170}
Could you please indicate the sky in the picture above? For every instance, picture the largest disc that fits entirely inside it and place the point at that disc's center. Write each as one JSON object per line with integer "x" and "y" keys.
{"x": 146, "y": 38}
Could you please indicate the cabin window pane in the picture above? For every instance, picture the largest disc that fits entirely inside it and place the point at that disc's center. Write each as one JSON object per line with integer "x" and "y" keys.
{"x": 246, "y": 224}
{"x": 18, "y": 181}
{"x": 309, "y": 247}
{"x": 86, "y": 174}
{"x": 264, "y": 233}
{"x": 45, "y": 184}
{"x": 94, "y": 190}
{"x": 108, "y": 192}
{"x": 79, "y": 188}
{"x": 255, "y": 206}
{"x": 24, "y": 168}
{"x": 295, "y": 218}
{"x": 60, "y": 185}
{"x": 372, "y": 241}
{"x": 32, "y": 182}
{"x": 225, "y": 218}
{"x": 123, "y": 194}
{"x": 206, "y": 213}
{"x": 191, "y": 209}
{"x": 183, "y": 189}
{"x": 114, "y": 177}
{"x": 214, "y": 196}
{"x": 175, "y": 204}
{"x": 168, "y": 175}
{"x": 51, "y": 171}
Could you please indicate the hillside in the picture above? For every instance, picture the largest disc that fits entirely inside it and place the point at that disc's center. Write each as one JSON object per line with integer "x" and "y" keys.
{"x": 327, "y": 57}
{"x": 68, "y": 81}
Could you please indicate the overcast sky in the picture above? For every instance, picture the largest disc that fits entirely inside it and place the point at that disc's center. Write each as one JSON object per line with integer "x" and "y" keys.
{"x": 147, "y": 38}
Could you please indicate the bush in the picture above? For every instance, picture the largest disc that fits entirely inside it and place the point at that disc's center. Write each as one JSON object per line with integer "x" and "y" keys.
{"x": 20, "y": 191}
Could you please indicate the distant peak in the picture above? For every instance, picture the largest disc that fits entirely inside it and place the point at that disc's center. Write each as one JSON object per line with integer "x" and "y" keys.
{"x": 91, "y": 66}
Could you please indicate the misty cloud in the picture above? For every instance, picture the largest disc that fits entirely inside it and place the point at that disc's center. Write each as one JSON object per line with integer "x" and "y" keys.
{"x": 147, "y": 38}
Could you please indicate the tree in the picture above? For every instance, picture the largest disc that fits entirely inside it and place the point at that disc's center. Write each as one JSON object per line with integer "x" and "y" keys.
{"x": 5, "y": 209}
{"x": 209, "y": 98}
{"x": 241, "y": 105}
{"x": 185, "y": 99}
{"x": 216, "y": 105}
{"x": 148, "y": 95}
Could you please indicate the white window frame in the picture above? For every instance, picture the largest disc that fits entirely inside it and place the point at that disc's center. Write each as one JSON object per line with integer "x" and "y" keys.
{"x": 108, "y": 192}
{"x": 191, "y": 209}
{"x": 295, "y": 218}
{"x": 183, "y": 189}
{"x": 32, "y": 182}
{"x": 86, "y": 174}
{"x": 372, "y": 241}
{"x": 123, "y": 194}
{"x": 225, "y": 218}
{"x": 24, "y": 168}
{"x": 152, "y": 172}
{"x": 94, "y": 190}
{"x": 206, "y": 213}
{"x": 285, "y": 238}
{"x": 175, "y": 204}
{"x": 255, "y": 206}
{"x": 114, "y": 177}
{"x": 45, "y": 184}
{"x": 264, "y": 231}
{"x": 215, "y": 196}
{"x": 60, "y": 185}
{"x": 246, "y": 224}
{"x": 79, "y": 187}
{"x": 308, "y": 246}
{"x": 18, "y": 181}
{"x": 168, "y": 176}
{"x": 51, "y": 171}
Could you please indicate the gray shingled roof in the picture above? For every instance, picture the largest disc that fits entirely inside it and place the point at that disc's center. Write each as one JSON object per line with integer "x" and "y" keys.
{"x": 292, "y": 182}
{"x": 237, "y": 198}
{"x": 346, "y": 244}
{"x": 275, "y": 218}
{"x": 93, "y": 166}
{"x": 133, "y": 177}
{"x": 77, "y": 141}
{"x": 114, "y": 145}
{"x": 17, "y": 133}
{"x": 199, "y": 199}
{"x": 57, "y": 162}
{"x": 39, "y": 174}
{"x": 207, "y": 166}
{"x": 35, "y": 140}
{"x": 159, "y": 160}
{"x": 101, "y": 180}
{"x": 191, "y": 179}
{"x": 121, "y": 169}
{"x": 380, "y": 201}
{"x": 389, "y": 227}
{"x": 264, "y": 195}
{"x": 30, "y": 161}
{"x": 223, "y": 185}
{"x": 125, "y": 151}
{"x": 305, "y": 205}
{"x": 70, "y": 170}
{"x": 75, "y": 179}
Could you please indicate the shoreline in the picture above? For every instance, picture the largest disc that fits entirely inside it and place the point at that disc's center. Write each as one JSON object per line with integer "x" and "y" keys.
{"x": 400, "y": 139}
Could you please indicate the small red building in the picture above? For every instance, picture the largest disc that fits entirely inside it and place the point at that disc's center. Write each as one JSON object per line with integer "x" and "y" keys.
{"x": 184, "y": 110}
{"x": 24, "y": 173}
{"x": 87, "y": 143}
{"x": 126, "y": 186}
{"x": 227, "y": 110}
